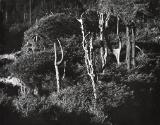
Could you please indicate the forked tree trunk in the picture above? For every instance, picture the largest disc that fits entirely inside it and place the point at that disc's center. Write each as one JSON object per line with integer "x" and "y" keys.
{"x": 91, "y": 68}
{"x": 88, "y": 49}
{"x": 133, "y": 49}
{"x": 128, "y": 49}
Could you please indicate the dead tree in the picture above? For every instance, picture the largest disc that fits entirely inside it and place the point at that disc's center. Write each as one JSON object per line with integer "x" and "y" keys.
{"x": 57, "y": 63}
{"x": 88, "y": 49}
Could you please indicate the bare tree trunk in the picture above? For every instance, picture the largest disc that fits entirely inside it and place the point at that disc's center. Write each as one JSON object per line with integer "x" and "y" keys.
{"x": 101, "y": 22}
{"x": 117, "y": 26}
{"x": 103, "y": 49}
{"x": 30, "y": 11}
{"x": 88, "y": 49}
{"x": 56, "y": 64}
{"x": 56, "y": 68}
{"x": 133, "y": 48}
{"x": 119, "y": 43}
{"x": 24, "y": 13}
{"x": 128, "y": 49}
{"x": 91, "y": 68}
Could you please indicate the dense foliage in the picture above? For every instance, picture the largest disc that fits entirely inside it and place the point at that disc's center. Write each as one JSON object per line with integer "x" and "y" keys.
{"x": 124, "y": 97}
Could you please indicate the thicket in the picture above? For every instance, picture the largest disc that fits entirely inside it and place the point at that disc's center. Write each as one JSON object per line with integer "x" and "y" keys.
{"x": 123, "y": 97}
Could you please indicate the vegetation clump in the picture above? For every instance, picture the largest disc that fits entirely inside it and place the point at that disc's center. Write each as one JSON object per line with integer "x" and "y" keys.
{"x": 85, "y": 67}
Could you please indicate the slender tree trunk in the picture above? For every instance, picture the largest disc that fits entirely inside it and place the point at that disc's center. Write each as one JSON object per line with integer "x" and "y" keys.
{"x": 133, "y": 48}
{"x": 56, "y": 68}
{"x": 88, "y": 49}
{"x": 128, "y": 49}
{"x": 44, "y": 5}
{"x": 24, "y": 13}
{"x": 117, "y": 53}
{"x": 57, "y": 63}
{"x": 24, "y": 17}
{"x": 103, "y": 49}
{"x": 117, "y": 26}
{"x": 90, "y": 60}
{"x": 30, "y": 11}
{"x": 101, "y": 22}
{"x": 6, "y": 17}
{"x": 64, "y": 70}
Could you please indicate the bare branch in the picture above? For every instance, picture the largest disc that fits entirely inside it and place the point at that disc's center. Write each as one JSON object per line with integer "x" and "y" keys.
{"x": 139, "y": 49}
{"x": 62, "y": 53}
{"x": 81, "y": 18}
{"x": 87, "y": 35}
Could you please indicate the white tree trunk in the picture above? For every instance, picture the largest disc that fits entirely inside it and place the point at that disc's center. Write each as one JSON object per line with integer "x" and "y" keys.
{"x": 101, "y": 22}
{"x": 133, "y": 48}
{"x": 57, "y": 63}
{"x": 88, "y": 49}
{"x": 56, "y": 68}
{"x": 91, "y": 69}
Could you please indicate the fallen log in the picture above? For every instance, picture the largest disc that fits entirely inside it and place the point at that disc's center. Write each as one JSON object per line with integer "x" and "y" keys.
{"x": 14, "y": 81}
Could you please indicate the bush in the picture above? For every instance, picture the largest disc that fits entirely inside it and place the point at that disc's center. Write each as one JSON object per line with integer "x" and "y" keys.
{"x": 50, "y": 28}
{"x": 35, "y": 69}
{"x": 3, "y": 97}
{"x": 29, "y": 105}
{"x": 123, "y": 93}
{"x": 80, "y": 98}
{"x": 76, "y": 99}
{"x": 142, "y": 59}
